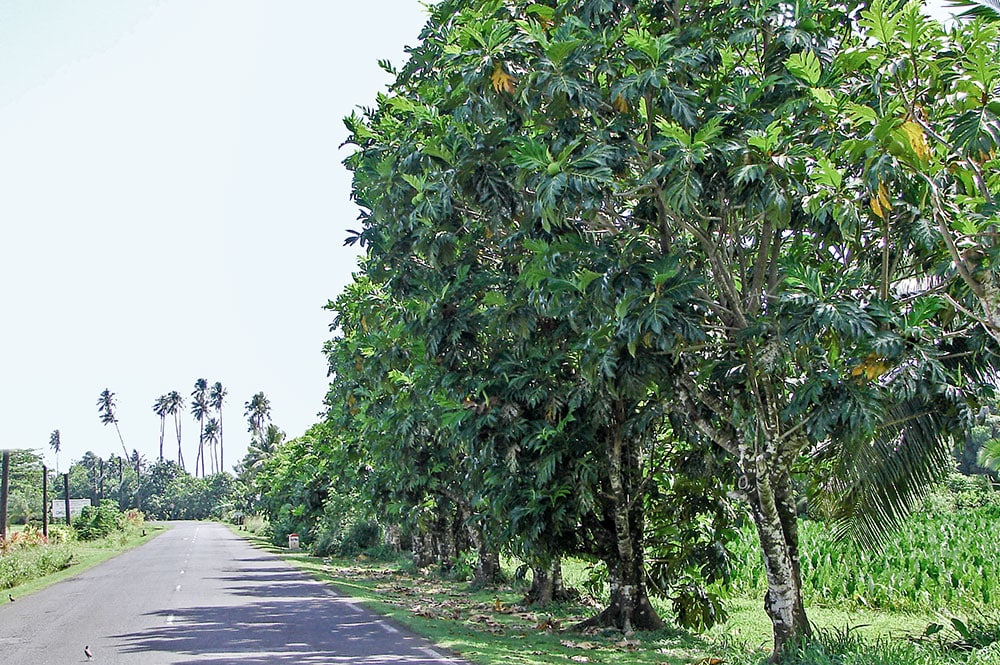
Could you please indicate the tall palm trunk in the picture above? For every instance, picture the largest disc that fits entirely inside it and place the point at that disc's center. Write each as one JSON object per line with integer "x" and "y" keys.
{"x": 121, "y": 438}
{"x": 177, "y": 429}
{"x": 222, "y": 463}
{"x": 199, "y": 459}
{"x": 163, "y": 428}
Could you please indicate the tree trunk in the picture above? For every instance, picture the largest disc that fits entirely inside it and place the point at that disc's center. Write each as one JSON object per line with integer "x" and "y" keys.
{"x": 423, "y": 550}
{"x": 201, "y": 447}
{"x": 630, "y": 608}
{"x": 222, "y": 451}
{"x": 4, "y": 485}
{"x": 488, "y": 571}
{"x": 547, "y": 585}
{"x": 121, "y": 438}
{"x": 180, "y": 454}
{"x": 773, "y": 507}
{"x": 446, "y": 547}
{"x": 393, "y": 537}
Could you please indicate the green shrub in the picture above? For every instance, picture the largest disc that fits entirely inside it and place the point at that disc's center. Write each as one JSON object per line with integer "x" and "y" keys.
{"x": 98, "y": 521}
{"x": 256, "y": 524}
{"x": 60, "y": 533}
{"x": 27, "y": 563}
{"x": 362, "y": 535}
{"x": 382, "y": 552}
{"x": 961, "y": 492}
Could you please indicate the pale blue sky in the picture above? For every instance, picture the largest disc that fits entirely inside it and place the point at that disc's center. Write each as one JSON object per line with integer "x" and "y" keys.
{"x": 173, "y": 205}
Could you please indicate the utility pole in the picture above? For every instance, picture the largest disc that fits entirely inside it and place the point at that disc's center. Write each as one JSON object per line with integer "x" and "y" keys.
{"x": 45, "y": 501}
{"x": 3, "y": 494}
{"x": 66, "y": 496}
{"x": 138, "y": 480}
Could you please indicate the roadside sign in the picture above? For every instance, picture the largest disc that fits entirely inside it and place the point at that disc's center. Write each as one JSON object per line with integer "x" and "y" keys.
{"x": 58, "y": 507}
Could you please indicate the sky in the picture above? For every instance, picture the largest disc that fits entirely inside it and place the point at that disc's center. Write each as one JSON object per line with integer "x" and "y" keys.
{"x": 173, "y": 206}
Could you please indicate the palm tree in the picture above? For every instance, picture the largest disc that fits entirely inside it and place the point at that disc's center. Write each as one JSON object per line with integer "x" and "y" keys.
{"x": 260, "y": 450}
{"x": 160, "y": 409}
{"x": 216, "y": 397}
{"x": 258, "y": 412}
{"x": 199, "y": 409}
{"x": 106, "y": 407}
{"x": 56, "y": 445}
{"x": 212, "y": 432}
{"x": 175, "y": 406}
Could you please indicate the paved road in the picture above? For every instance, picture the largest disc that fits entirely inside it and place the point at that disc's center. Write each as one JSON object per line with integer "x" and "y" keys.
{"x": 199, "y": 594}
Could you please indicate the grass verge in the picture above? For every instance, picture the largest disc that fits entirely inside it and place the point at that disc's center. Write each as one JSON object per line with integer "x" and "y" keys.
{"x": 490, "y": 628}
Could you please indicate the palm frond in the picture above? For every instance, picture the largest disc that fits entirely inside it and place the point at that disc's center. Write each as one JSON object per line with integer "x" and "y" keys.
{"x": 985, "y": 9}
{"x": 989, "y": 455}
{"x": 882, "y": 481}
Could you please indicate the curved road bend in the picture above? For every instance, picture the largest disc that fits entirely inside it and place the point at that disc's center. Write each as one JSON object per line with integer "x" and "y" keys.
{"x": 200, "y": 594}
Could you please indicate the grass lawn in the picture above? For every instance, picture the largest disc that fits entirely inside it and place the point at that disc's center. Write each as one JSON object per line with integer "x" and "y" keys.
{"x": 489, "y": 627}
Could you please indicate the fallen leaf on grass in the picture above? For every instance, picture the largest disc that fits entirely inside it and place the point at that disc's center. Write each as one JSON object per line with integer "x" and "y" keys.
{"x": 424, "y": 612}
{"x": 547, "y": 623}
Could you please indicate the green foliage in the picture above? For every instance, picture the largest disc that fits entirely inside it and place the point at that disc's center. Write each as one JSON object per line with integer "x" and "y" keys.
{"x": 599, "y": 233}
{"x": 98, "y": 521}
{"x": 305, "y": 487}
{"x": 936, "y": 560}
{"x": 24, "y": 501}
{"x": 361, "y": 536}
{"x": 965, "y": 635}
{"x": 986, "y": 9}
{"x": 185, "y": 497}
{"x": 167, "y": 491}
{"x": 846, "y": 646}
{"x": 23, "y": 564}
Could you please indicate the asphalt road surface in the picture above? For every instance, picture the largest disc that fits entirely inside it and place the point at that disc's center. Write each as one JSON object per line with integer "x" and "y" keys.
{"x": 199, "y": 594}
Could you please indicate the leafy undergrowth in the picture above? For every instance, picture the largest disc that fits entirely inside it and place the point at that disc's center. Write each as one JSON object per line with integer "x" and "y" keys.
{"x": 848, "y": 646}
{"x": 933, "y": 561}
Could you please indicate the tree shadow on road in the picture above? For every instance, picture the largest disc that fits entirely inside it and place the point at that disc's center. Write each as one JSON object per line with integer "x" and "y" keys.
{"x": 277, "y": 616}
{"x": 272, "y": 631}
